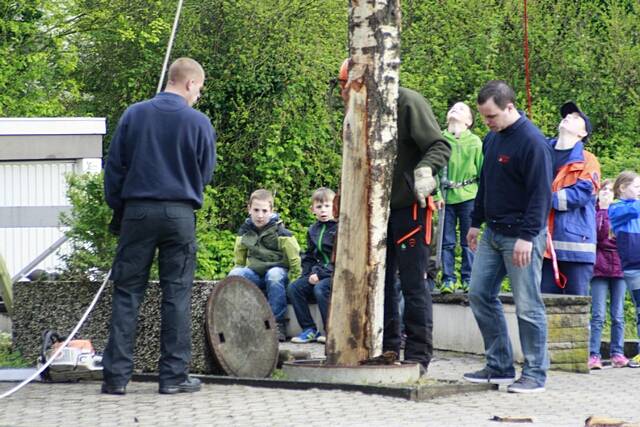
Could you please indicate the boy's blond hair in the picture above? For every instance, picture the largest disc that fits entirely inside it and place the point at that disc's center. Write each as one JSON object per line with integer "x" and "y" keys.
{"x": 322, "y": 194}
{"x": 624, "y": 179}
{"x": 263, "y": 195}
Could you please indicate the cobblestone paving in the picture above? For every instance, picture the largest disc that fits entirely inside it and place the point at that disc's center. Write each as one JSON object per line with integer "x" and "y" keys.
{"x": 568, "y": 401}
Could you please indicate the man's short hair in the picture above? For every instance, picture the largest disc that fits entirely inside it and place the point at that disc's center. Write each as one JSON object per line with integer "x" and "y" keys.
{"x": 322, "y": 194}
{"x": 184, "y": 69}
{"x": 262, "y": 195}
{"x": 500, "y": 91}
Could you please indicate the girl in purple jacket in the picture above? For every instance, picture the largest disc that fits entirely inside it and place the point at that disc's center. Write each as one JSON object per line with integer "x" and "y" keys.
{"x": 607, "y": 278}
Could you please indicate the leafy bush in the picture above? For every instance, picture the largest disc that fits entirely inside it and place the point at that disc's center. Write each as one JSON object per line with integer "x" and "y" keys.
{"x": 8, "y": 357}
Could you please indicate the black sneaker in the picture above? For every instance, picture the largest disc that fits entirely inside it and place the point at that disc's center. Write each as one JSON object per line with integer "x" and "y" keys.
{"x": 190, "y": 385}
{"x": 282, "y": 331}
{"x": 525, "y": 385}
{"x": 485, "y": 375}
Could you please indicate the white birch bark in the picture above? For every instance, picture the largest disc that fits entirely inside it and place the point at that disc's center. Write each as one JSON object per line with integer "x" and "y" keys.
{"x": 369, "y": 149}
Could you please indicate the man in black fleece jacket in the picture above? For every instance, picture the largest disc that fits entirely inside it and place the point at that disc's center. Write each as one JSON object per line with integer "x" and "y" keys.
{"x": 161, "y": 156}
{"x": 514, "y": 198}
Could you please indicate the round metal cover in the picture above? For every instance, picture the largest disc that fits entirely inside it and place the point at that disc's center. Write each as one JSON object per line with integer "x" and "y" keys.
{"x": 241, "y": 329}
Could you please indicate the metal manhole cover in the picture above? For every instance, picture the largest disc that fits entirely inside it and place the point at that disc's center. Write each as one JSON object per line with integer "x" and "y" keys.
{"x": 241, "y": 329}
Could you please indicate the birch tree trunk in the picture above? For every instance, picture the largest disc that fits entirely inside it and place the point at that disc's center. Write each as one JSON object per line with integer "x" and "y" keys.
{"x": 355, "y": 321}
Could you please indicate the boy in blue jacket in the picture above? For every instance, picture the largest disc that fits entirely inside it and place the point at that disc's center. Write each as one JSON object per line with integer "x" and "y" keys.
{"x": 317, "y": 268}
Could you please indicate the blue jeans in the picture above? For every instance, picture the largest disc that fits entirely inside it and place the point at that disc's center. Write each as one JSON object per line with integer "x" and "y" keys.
{"x": 301, "y": 293}
{"x": 600, "y": 286}
{"x": 458, "y": 212}
{"x": 632, "y": 278}
{"x": 273, "y": 284}
{"x": 492, "y": 262}
{"x": 578, "y": 276}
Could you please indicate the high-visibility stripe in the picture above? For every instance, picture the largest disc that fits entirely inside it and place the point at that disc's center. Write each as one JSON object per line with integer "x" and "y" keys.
{"x": 562, "y": 200}
{"x": 574, "y": 246}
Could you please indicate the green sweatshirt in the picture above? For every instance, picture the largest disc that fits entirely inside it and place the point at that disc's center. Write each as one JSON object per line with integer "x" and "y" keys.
{"x": 420, "y": 143}
{"x": 464, "y": 165}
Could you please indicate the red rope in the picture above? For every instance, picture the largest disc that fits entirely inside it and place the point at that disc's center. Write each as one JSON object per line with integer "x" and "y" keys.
{"x": 526, "y": 60}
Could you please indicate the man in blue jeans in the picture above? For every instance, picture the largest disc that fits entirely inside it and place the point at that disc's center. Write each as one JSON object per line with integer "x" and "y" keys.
{"x": 513, "y": 198}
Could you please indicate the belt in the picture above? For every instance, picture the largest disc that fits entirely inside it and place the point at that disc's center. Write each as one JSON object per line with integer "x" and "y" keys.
{"x": 450, "y": 185}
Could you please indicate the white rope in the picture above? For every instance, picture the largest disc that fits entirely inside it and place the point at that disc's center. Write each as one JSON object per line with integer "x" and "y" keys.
{"x": 166, "y": 56}
{"x": 64, "y": 344}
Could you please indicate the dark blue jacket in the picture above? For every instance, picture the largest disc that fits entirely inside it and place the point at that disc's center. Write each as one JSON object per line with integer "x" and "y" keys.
{"x": 162, "y": 149}
{"x": 320, "y": 240}
{"x": 625, "y": 222}
{"x": 514, "y": 195}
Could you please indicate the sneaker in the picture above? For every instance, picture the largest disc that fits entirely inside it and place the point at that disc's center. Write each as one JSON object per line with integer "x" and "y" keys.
{"x": 321, "y": 338}
{"x": 634, "y": 362}
{"x": 464, "y": 287}
{"x": 525, "y": 385}
{"x": 619, "y": 361}
{"x": 485, "y": 375}
{"x": 308, "y": 335}
{"x": 447, "y": 287}
{"x": 594, "y": 362}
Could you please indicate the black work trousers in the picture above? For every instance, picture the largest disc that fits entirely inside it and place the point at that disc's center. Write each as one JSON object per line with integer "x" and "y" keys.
{"x": 408, "y": 254}
{"x": 147, "y": 226}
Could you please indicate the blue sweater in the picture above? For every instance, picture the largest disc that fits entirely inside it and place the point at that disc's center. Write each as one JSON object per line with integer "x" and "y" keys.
{"x": 514, "y": 195}
{"x": 162, "y": 149}
{"x": 625, "y": 223}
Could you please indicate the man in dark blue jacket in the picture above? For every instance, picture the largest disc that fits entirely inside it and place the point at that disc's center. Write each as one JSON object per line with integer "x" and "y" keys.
{"x": 514, "y": 197}
{"x": 160, "y": 158}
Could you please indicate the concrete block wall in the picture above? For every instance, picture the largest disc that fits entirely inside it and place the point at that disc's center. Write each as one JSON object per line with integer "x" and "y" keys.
{"x": 455, "y": 328}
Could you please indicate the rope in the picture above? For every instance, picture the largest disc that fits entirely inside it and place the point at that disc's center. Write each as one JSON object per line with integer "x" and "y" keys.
{"x": 526, "y": 60}
{"x": 169, "y": 46}
{"x": 64, "y": 344}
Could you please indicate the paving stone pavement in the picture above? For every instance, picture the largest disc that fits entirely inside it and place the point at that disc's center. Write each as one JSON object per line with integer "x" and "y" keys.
{"x": 568, "y": 401}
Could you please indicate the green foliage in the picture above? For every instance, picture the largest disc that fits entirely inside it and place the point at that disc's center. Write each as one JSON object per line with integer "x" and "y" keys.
{"x": 10, "y": 358}
{"x": 35, "y": 62}
{"x": 92, "y": 246}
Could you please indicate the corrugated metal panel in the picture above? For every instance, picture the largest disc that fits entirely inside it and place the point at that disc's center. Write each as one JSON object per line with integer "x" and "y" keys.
{"x": 26, "y": 184}
{"x": 34, "y": 183}
{"x": 21, "y": 245}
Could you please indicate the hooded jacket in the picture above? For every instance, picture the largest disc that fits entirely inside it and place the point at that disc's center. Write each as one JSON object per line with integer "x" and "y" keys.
{"x": 271, "y": 246}
{"x": 317, "y": 258}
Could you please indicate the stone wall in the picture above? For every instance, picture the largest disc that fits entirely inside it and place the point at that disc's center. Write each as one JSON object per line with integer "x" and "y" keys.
{"x": 59, "y": 305}
{"x": 567, "y": 320}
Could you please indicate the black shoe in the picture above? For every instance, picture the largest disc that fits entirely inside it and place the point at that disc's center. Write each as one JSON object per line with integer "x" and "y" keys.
{"x": 113, "y": 389}
{"x": 190, "y": 385}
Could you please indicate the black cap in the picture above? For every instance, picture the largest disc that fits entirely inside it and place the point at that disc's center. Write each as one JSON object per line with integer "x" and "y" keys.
{"x": 571, "y": 107}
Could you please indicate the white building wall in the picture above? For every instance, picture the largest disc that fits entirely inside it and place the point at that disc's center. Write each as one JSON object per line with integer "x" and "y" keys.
{"x": 31, "y": 184}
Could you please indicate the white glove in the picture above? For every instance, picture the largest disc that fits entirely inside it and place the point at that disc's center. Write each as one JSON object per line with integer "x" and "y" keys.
{"x": 424, "y": 184}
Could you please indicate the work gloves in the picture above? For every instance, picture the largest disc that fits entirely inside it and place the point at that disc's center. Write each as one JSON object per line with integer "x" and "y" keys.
{"x": 424, "y": 184}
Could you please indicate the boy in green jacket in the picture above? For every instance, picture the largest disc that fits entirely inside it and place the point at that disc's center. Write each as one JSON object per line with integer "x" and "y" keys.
{"x": 461, "y": 186}
{"x": 267, "y": 254}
